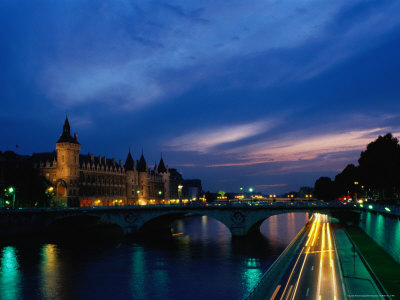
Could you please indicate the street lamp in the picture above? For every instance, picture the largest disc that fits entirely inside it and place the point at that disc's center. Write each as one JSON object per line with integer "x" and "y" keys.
{"x": 11, "y": 190}
{"x": 49, "y": 193}
{"x": 180, "y": 187}
{"x": 159, "y": 194}
{"x": 251, "y": 190}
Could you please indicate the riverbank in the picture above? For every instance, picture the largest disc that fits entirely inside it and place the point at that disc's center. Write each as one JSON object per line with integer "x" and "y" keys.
{"x": 382, "y": 264}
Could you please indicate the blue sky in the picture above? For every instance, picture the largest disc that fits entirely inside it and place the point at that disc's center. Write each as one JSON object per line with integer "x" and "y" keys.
{"x": 269, "y": 94}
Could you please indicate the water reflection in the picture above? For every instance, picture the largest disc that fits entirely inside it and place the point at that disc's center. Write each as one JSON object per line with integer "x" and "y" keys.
{"x": 10, "y": 277}
{"x": 51, "y": 278}
{"x": 138, "y": 273}
{"x": 384, "y": 230}
{"x": 204, "y": 262}
{"x": 251, "y": 277}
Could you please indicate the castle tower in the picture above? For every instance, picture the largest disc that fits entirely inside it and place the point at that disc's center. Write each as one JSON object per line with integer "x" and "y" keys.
{"x": 163, "y": 171}
{"x": 68, "y": 148}
{"x": 144, "y": 178}
{"x": 131, "y": 178}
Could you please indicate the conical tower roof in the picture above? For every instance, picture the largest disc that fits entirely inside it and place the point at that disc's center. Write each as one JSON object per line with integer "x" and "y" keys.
{"x": 161, "y": 166}
{"x": 129, "y": 162}
{"x": 142, "y": 166}
{"x": 65, "y": 136}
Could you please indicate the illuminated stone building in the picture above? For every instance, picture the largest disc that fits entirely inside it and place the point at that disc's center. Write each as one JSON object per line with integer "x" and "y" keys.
{"x": 88, "y": 180}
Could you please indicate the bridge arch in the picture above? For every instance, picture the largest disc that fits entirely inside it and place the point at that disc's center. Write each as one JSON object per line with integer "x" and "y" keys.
{"x": 163, "y": 222}
{"x": 78, "y": 225}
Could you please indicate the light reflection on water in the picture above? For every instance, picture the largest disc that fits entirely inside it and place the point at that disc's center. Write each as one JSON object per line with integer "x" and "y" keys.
{"x": 384, "y": 230}
{"x": 50, "y": 272}
{"x": 10, "y": 276}
{"x": 203, "y": 262}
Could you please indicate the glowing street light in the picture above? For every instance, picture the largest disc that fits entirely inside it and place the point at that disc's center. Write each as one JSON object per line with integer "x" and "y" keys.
{"x": 11, "y": 190}
{"x": 180, "y": 187}
{"x": 251, "y": 190}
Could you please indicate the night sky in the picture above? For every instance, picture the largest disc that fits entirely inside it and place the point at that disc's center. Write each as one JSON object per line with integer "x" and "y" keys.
{"x": 269, "y": 94}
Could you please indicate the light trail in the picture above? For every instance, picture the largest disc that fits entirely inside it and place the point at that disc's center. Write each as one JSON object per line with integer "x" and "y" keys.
{"x": 302, "y": 250}
{"x": 311, "y": 232}
{"x": 320, "y": 262}
{"x": 288, "y": 281}
{"x": 275, "y": 292}
{"x": 291, "y": 287}
{"x": 305, "y": 258}
{"x": 301, "y": 279}
{"x": 332, "y": 264}
{"x": 315, "y": 236}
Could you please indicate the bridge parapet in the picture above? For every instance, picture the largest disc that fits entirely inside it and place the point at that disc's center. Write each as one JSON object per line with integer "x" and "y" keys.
{"x": 240, "y": 219}
{"x": 387, "y": 209}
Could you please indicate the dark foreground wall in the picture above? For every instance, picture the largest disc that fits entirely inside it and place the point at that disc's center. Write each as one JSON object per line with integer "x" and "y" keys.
{"x": 384, "y": 229}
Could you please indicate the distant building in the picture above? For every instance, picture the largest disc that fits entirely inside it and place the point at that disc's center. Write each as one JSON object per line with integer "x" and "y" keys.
{"x": 88, "y": 180}
{"x": 192, "y": 189}
{"x": 175, "y": 180}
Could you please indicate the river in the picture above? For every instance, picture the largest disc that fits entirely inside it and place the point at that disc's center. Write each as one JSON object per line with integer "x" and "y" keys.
{"x": 200, "y": 261}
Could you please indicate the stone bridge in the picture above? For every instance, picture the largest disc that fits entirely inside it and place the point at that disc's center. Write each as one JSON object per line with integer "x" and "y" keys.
{"x": 240, "y": 219}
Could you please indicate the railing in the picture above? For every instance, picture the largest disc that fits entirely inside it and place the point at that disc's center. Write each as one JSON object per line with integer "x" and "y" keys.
{"x": 389, "y": 209}
{"x": 285, "y": 205}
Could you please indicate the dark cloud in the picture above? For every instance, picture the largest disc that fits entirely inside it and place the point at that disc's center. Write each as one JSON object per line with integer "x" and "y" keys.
{"x": 153, "y": 73}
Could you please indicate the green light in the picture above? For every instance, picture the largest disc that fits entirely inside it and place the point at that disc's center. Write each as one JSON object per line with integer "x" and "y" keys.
{"x": 11, "y": 189}
{"x": 138, "y": 191}
{"x": 361, "y": 205}
{"x": 370, "y": 207}
{"x": 241, "y": 188}
{"x": 387, "y": 209}
{"x": 159, "y": 192}
{"x": 251, "y": 190}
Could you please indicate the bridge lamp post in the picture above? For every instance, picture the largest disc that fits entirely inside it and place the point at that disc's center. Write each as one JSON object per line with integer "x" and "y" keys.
{"x": 11, "y": 190}
{"x": 160, "y": 194}
{"x": 180, "y": 187}
{"x": 251, "y": 191}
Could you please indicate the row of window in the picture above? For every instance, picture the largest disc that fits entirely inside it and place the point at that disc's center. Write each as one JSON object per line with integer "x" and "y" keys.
{"x": 104, "y": 191}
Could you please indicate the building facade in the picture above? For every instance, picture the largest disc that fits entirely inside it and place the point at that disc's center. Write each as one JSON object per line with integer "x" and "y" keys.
{"x": 88, "y": 180}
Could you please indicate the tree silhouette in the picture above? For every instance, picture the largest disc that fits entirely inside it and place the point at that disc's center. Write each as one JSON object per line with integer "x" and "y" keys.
{"x": 379, "y": 166}
{"x": 324, "y": 189}
{"x": 344, "y": 181}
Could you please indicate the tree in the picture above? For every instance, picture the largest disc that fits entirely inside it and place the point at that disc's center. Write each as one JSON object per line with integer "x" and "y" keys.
{"x": 210, "y": 197}
{"x": 305, "y": 190}
{"x": 324, "y": 189}
{"x": 19, "y": 173}
{"x": 379, "y": 166}
{"x": 345, "y": 181}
